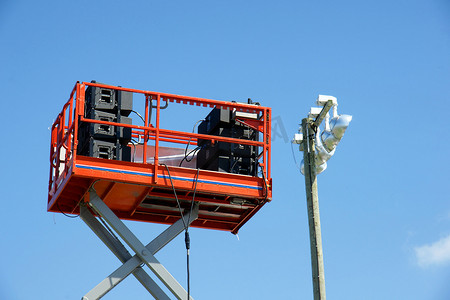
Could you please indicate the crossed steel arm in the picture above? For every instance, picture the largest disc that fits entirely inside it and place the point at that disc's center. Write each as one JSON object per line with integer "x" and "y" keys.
{"x": 144, "y": 254}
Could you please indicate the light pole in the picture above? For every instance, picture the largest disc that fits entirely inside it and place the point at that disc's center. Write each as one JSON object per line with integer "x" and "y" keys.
{"x": 317, "y": 149}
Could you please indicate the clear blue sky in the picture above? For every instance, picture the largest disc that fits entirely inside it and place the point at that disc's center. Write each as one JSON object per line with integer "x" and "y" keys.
{"x": 384, "y": 199}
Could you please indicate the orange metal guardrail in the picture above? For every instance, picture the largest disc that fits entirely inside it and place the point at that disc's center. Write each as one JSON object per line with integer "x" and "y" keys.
{"x": 64, "y": 158}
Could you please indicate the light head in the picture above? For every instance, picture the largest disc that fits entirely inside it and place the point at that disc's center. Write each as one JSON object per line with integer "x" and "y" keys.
{"x": 334, "y": 129}
{"x": 338, "y": 126}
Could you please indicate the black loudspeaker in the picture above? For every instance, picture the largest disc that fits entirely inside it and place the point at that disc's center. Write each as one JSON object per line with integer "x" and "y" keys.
{"x": 107, "y": 150}
{"x": 223, "y": 156}
{"x": 105, "y": 140}
{"x": 216, "y": 119}
{"x": 108, "y": 100}
{"x": 104, "y": 131}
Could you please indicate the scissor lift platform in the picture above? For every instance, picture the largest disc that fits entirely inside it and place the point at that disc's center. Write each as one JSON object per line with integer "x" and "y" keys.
{"x": 127, "y": 189}
{"x": 148, "y": 191}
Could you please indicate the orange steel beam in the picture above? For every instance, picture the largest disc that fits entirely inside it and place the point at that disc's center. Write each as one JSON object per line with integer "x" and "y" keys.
{"x": 146, "y": 126}
{"x": 186, "y": 99}
{"x": 140, "y": 199}
{"x": 156, "y": 159}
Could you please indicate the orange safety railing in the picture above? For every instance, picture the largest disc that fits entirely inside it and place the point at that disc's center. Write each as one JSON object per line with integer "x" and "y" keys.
{"x": 63, "y": 137}
{"x": 64, "y": 131}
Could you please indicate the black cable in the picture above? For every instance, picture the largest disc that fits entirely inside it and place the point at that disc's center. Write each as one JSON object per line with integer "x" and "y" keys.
{"x": 176, "y": 197}
{"x": 134, "y": 151}
{"x": 234, "y": 164}
{"x": 186, "y": 157}
{"x": 151, "y": 109}
{"x": 189, "y": 142}
{"x": 186, "y": 150}
{"x": 139, "y": 115}
{"x": 188, "y": 272}
{"x": 134, "y": 145}
{"x": 265, "y": 184}
{"x": 193, "y": 198}
{"x": 72, "y": 217}
{"x": 193, "y": 155}
{"x": 187, "y": 239}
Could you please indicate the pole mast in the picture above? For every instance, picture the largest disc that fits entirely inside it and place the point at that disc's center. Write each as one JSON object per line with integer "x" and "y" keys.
{"x": 312, "y": 200}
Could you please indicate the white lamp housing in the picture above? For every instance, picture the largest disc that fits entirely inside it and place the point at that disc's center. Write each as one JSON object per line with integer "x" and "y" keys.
{"x": 323, "y": 99}
{"x": 326, "y": 142}
{"x": 338, "y": 125}
{"x": 298, "y": 138}
{"x": 314, "y": 112}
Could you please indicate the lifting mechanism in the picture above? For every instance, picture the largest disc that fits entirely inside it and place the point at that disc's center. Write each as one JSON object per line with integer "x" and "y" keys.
{"x": 106, "y": 169}
{"x": 144, "y": 254}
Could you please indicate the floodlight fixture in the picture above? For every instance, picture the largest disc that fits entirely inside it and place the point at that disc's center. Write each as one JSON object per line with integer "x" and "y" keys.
{"x": 337, "y": 127}
{"x": 327, "y": 140}
{"x": 318, "y": 147}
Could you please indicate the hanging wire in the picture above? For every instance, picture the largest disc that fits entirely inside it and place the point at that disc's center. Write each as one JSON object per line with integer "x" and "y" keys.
{"x": 187, "y": 146}
{"x": 134, "y": 148}
{"x": 187, "y": 267}
{"x": 186, "y": 157}
{"x": 72, "y": 217}
{"x": 293, "y": 156}
{"x": 187, "y": 239}
{"x": 265, "y": 185}
{"x": 139, "y": 115}
{"x": 176, "y": 197}
{"x": 193, "y": 198}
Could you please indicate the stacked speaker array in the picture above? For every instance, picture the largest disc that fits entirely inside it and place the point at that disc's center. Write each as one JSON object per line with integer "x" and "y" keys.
{"x": 223, "y": 156}
{"x": 106, "y": 141}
